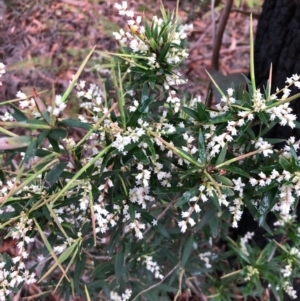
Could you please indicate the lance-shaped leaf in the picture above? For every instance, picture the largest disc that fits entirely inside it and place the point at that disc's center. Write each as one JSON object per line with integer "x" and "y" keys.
{"x": 73, "y": 82}
{"x": 14, "y": 142}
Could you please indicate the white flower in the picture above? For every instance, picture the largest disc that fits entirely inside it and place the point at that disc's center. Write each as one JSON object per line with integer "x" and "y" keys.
{"x": 253, "y": 181}
{"x": 183, "y": 226}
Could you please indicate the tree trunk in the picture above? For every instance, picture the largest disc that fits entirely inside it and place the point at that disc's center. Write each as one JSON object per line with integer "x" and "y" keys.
{"x": 278, "y": 43}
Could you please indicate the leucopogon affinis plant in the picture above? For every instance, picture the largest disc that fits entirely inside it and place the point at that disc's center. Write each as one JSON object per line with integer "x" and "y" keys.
{"x": 143, "y": 203}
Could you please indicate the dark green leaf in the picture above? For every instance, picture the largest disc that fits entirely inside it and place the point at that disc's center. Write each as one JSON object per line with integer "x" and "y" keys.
{"x": 191, "y": 113}
{"x": 151, "y": 148}
{"x": 233, "y": 245}
{"x": 141, "y": 156}
{"x": 285, "y": 164}
{"x": 187, "y": 250}
{"x": 57, "y": 134}
{"x": 54, "y": 174}
{"x": 36, "y": 121}
{"x": 295, "y": 161}
{"x": 163, "y": 53}
{"x": 220, "y": 119}
{"x": 142, "y": 109}
{"x": 42, "y": 136}
{"x": 222, "y": 155}
{"x": 214, "y": 227}
{"x": 145, "y": 95}
{"x": 203, "y": 116}
{"x": 119, "y": 264}
{"x": 79, "y": 269}
{"x": 162, "y": 230}
{"x": 208, "y": 215}
{"x": 54, "y": 144}
{"x": 268, "y": 128}
{"x": 201, "y": 148}
{"x": 75, "y": 123}
{"x": 274, "y": 140}
{"x": 31, "y": 150}
{"x": 236, "y": 170}
{"x": 223, "y": 180}
{"x": 186, "y": 197}
{"x": 17, "y": 114}
{"x": 263, "y": 118}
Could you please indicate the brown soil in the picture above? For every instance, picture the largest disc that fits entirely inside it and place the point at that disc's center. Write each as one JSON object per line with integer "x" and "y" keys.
{"x": 43, "y": 43}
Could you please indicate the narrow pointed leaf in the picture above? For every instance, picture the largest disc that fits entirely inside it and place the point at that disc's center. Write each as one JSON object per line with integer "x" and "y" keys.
{"x": 14, "y": 142}
{"x": 187, "y": 250}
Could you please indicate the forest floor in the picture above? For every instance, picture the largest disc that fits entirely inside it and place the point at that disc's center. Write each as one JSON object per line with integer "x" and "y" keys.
{"x": 43, "y": 45}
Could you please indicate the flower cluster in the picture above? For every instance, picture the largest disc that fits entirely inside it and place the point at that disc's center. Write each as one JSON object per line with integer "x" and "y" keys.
{"x": 244, "y": 241}
{"x": 148, "y": 42}
{"x": 288, "y": 184}
{"x": 152, "y": 266}
{"x": 124, "y": 297}
{"x": 57, "y": 107}
{"x": 14, "y": 274}
{"x": 14, "y": 277}
{"x": 206, "y": 256}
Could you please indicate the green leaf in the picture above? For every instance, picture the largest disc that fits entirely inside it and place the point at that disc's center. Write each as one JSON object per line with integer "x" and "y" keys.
{"x": 163, "y": 53}
{"x": 274, "y": 140}
{"x": 214, "y": 227}
{"x": 151, "y": 148}
{"x": 191, "y": 113}
{"x": 76, "y": 76}
{"x": 75, "y": 123}
{"x": 54, "y": 174}
{"x": 162, "y": 230}
{"x": 222, "y": 155}
{"x": 223, "y": 180}
{"x": 263, "y": 118}
{"x": 42, "y": 136}
{"x": 236, "y": 170}
{"x": 57, "y": 134}
{"x": 54, "y": 144}
{"x": 202, "y": 114}
{"x": 7, "y": 143}
{"x": 220, "y": 119}
{"x": 268, "y": 128}
{"x": 79, "y": 269}
{"x": 234, "y": 245}
{"x": 208, "y": 215}
{"x": 201, "y": 148}
{"x": 295, "y": 161}
{"x": 119, "y": 264}
{"x": 142, "y": 109}
{"x": 215, "y": 200}
{"x": 187, "y": 250}
{"x": 141, "y": 156}
{"x": 17, "y": 114}
{"x": 36, "y": 122}
{"x": 285, "y": 164}
{"x": 31, "y": 150}
{"x": 186, "y": 197}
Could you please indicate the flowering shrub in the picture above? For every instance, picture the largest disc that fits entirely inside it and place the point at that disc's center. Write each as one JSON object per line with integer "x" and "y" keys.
{"x": 143, "y": 202}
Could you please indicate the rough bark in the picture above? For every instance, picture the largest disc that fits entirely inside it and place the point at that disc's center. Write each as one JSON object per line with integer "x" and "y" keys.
{"x": 278, "y": 42}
